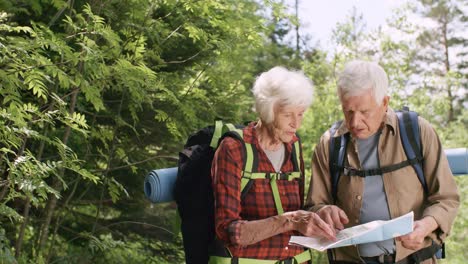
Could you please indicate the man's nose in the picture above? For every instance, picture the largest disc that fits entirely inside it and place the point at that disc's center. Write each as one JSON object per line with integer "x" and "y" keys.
{"x": 355, "y": 119}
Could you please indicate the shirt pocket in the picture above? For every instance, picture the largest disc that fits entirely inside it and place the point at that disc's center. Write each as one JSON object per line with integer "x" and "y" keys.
{"x": 409, "y": 190}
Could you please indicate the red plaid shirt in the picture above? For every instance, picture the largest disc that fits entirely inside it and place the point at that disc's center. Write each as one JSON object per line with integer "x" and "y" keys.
{"x": 258, "y": 203}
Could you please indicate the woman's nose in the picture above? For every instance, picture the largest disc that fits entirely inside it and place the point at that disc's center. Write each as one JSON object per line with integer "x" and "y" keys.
{"x": 295, "y": 122}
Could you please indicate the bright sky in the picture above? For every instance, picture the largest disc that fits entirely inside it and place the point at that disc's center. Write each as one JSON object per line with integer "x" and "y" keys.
{"x": 319, "y": 17}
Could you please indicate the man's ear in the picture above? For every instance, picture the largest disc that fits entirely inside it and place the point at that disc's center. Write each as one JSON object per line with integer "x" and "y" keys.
{"x": 385, "y": 102}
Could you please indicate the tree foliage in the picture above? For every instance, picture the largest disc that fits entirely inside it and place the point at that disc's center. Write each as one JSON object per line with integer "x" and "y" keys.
{"x": 96, "y": 94}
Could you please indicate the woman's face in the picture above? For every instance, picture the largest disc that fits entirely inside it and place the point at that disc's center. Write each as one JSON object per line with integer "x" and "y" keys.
{"x": 288, "y": 119}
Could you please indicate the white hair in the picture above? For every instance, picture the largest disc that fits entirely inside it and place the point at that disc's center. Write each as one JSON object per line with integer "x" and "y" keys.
{"x": 359, "y": 76}
{"x": 283, "y": 87}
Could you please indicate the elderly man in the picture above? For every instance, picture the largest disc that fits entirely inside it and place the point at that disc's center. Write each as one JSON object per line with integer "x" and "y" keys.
{"x": 379, "y": 190}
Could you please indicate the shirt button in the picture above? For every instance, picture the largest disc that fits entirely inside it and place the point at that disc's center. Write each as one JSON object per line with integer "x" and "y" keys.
{"x": 359, "y": 197}
{"x": 286, "y": 248}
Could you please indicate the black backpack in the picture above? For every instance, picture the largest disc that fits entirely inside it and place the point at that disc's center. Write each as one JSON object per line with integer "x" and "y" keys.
{"x": 193, "y": 191}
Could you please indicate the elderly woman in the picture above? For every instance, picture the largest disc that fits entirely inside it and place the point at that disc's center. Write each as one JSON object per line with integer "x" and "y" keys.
{"x": 256, "y": 220}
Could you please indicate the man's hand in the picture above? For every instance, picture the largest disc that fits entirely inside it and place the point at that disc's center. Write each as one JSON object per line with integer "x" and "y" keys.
{"x": 422, "y": 228}
{"x": 333, "y": 216}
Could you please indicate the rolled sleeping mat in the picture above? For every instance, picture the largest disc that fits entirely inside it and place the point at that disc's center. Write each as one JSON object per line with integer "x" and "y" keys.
{"x": 458, "y": 160}
{"x": 159, "y": 185}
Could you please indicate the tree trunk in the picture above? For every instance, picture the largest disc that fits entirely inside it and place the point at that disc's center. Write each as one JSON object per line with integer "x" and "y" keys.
{"x": 27, "y": 206}
{"x": 19, "y": 240}
{"x": 450, "y": 116}
{"x": 297, "y": 30}
{"x": 108, "y": 166}
{"x": 52, "y": 201}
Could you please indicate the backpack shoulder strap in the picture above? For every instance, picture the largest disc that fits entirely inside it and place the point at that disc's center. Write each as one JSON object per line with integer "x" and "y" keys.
{"x": 296, "y": 154}
{"x": 250, "y": 172}
{"x": 222, "y": 130}
{"x": 337, "y": 151}
{"x": 250, "y": 166}
{"x": 411, "y": 140}
{"x": 250, "y": 162}
{"x": 217, "y": 133}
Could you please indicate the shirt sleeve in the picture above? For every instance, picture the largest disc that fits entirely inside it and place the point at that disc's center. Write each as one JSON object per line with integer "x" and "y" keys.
{"x": 226, "y": 173}
{"x": 443, "y": 198}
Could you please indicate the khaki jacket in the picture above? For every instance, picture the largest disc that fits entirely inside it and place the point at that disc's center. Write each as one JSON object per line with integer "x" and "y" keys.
{"x": 402, "y": 187}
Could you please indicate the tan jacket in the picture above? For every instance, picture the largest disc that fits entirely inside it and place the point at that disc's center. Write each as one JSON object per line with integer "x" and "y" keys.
{"x": 402, "y": 187}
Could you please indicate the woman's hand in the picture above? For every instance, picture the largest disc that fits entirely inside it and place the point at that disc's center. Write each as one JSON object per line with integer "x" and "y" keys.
{"x": 310, "y": 224}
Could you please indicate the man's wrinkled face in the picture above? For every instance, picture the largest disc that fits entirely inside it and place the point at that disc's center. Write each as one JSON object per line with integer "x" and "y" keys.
{"x": 363, "y": 116}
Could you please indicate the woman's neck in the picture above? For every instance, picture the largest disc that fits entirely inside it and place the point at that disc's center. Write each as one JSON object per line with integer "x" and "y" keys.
{"x": 266, "y": 141}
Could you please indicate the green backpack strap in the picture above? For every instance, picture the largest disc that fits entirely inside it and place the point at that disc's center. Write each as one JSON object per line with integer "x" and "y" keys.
{"x": 248, "y": 175}
{"x": 299, "y": 258}
{"x": 220, "y": 129}
{"x": 296, "y": 155}
{"x": 230, "y": 127}
{"x": 226, "y": 260}
{"x": 218, "y": 132}
{"x": 304, "y": 256}
{"x": 276, "y": 196}
{"x": 248, "y": 166}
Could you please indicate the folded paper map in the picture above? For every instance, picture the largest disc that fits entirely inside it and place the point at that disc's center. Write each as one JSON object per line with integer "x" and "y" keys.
{"x": 370, "y": 232}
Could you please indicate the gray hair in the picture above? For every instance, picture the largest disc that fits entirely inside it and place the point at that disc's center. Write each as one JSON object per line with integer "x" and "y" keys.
{"x": 359, "y": 76}
{"x": 283, "y": 87}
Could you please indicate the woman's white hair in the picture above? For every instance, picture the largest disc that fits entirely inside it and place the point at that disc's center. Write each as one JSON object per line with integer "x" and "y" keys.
{"x": 359, "y": 76}
{"x": 283, "y": 87}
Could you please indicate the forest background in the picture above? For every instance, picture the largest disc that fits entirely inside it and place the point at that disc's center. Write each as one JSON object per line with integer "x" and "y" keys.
{"x": 96, "y": 94}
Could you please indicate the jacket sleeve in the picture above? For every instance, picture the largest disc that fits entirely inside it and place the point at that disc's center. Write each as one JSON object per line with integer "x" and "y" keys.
{"x": 443, "y": 198}
{"x": 320, "y": 194}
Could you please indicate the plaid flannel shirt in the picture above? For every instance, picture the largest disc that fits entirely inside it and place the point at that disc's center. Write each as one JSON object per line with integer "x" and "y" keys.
{"x": 258, "y": 203}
